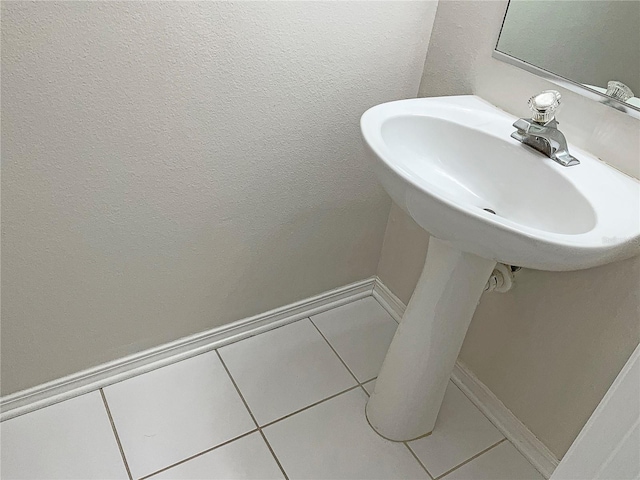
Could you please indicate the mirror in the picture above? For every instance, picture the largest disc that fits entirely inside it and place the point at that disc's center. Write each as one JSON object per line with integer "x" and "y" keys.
{"x": 590, "y": 46}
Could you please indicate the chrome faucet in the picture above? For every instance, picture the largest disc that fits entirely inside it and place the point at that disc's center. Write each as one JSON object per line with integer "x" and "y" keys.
{"x": 541, "y": 131}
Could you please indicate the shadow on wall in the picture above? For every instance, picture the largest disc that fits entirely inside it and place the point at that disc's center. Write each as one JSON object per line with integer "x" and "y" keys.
{"x": 550, "y": 347}
{"x": 162, "y": 160}
{"x": 277, "y": 257}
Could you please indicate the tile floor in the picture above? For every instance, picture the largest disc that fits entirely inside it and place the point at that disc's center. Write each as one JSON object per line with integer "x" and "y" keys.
{"x": 288, "y": 403}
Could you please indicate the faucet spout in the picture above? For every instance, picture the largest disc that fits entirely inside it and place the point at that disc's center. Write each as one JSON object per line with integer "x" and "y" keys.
{"x": 541, "y": 132}
{"x": 546, "y": 139}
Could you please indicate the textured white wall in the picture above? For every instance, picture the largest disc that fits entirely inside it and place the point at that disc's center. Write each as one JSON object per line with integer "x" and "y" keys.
{"x": 170, "y": 167}
{"x": 550, "y": 348}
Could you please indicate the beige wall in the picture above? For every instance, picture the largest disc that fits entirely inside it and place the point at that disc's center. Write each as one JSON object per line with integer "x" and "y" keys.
{"x": 171, "y": 167}
{"x": 551, "y": 347}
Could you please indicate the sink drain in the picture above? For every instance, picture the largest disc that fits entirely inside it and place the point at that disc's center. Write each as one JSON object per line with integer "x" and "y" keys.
{"x": 489, "y": 210}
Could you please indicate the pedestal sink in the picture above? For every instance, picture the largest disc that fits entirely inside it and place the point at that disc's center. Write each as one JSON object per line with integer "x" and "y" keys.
{"x": 484, "y": 197}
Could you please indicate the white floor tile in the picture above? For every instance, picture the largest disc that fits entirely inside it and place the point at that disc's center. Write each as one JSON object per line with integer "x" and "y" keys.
{"x": 503, "y": 462}
{"x": 361, "y": 333}
{"x": 284, "y": 370}
{"x": 246, "y": 458}
{"x": 333, "y": 440}
{"x": 369, "y": 386}
{"x": 169, "y": 414}
{"x": 461, "y": 432}
{"x": 72, "y": 439}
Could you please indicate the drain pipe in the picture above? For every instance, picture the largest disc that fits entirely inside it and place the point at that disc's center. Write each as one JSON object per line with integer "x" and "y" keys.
{"x": 501, "y": 279}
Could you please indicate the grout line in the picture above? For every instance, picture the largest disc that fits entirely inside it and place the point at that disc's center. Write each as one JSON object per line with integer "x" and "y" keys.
{"x": 365, "y": 390}
{"x": 252, "y": 416}
{"x": 339, "y": 357}
{"x": 310, "y": 406}
{"x": 182, "y": 358}
{"x": 237, "y": 389}
{"x": 471, "y": 459}
{"x": 258, "y": 427}
{"x": 121, "y": 369}
{"x": 199, "y": 454}
{"x": 115, "y": 433}
{"x": 491, "y": 421}
{"x": 406, "y": 444}
{"x": 275, "y": 457}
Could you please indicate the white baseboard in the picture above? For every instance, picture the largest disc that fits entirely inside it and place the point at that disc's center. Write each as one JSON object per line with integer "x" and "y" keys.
{"x": 385, "y": 297}
{"x": 516, "y": 432}
{"x": 504, "y": 420}
{"x": 100, "y": 376}
{"x": 85, "y": 381}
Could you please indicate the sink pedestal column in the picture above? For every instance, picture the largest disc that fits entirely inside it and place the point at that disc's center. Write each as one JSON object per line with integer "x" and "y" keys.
{"x": 415, "y": 372}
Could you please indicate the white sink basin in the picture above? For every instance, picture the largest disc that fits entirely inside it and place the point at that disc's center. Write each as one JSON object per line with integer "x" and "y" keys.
{"x": 446, "y": 159}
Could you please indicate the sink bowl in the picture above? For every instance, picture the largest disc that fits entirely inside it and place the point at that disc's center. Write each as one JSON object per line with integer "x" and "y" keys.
{"x": 484, "y": 197}
{"x": 449, "y": 162}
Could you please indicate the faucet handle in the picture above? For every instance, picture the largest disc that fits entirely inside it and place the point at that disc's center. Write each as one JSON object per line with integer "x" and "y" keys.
{"x": 619, "y": 91}
{"x": 544, "y": 106}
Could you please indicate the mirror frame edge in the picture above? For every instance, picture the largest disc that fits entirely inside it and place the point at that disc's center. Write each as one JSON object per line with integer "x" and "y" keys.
{"x": 559, "y": 79}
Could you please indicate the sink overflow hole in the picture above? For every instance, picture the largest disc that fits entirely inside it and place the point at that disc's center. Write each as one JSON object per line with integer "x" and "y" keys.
{"x": 489, "y": 210}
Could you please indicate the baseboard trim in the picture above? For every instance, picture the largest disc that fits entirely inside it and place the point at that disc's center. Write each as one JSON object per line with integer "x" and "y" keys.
{"x": 386, "y": 298}
{"x": 100, "y": 376}
{"x": 516, "y": 432}
{"x": 504, "y": 420}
